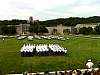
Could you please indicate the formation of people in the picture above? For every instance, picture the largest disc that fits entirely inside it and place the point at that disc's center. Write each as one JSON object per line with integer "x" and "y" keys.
{"x": 42, "y": 50}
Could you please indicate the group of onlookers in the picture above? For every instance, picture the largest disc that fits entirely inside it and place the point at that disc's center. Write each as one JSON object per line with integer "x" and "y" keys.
{"x": 89, "y": 71}
{"x": 71, "y": 72}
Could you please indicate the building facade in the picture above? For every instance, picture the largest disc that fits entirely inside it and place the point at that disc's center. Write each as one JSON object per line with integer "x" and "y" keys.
{"x": 92, "y": 25}
{"x": 60, "y": 29}
{"x": 22, "y": 29}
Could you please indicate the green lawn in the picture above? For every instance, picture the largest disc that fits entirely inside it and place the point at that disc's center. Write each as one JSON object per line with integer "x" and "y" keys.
{"x": 80, "y": 49}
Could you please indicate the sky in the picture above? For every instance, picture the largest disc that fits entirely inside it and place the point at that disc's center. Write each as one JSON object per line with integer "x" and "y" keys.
{"x": 48, "y": 9}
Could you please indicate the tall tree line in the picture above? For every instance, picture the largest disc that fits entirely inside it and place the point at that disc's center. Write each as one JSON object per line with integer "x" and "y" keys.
{"x": 8, "y": 30}
{"x": 71, "y": 21}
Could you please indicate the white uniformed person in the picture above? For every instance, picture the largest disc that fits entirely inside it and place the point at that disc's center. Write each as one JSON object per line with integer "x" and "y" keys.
{"x": 89, "y": 64}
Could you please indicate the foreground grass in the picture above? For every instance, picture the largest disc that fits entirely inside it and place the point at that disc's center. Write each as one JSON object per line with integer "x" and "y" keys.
{"x": 80, "y": 49}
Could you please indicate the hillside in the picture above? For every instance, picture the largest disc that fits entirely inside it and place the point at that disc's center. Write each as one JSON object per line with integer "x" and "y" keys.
{"x": 71, "y": 21}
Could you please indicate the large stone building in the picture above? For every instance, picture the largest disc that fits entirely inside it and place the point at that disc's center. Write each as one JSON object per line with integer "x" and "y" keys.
{"x": 60, "y": 29}
{"x": 92, "y": 25}
{"x": 23, "y": 29}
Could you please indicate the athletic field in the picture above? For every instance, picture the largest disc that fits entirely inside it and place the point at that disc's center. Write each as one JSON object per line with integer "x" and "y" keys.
{"x": 80, "y": 49}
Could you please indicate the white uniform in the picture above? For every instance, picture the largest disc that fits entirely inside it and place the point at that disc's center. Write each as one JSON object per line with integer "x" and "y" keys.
{"x": 89, "y": 64}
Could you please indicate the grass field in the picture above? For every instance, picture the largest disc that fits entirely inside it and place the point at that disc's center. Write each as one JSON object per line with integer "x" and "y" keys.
{"x": 80, "y": 49}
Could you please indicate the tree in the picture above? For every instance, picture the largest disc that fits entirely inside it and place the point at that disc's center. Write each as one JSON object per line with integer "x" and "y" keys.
{"x": 37, "y": 28}
{"x": 42, "y": 29}
{"x": 31, "y": 30}
{"x": 45, "y": 30}
{"x": 34, "y": 27}
{"x": 12, "y": 30}
{"x": 75, "y": 31}
{"x": 5, "y": 30}
{"x": 83, "y": 30}
{"x": 86, "y": 31}
{"x": 97, "y": 29}
{"x": 89, "y": 30}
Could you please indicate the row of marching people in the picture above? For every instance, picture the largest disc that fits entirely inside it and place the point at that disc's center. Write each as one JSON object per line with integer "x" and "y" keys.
{"x": 57, "y": 50}
{"x": 27, "y": 50}
{"x": 42, "y": 50}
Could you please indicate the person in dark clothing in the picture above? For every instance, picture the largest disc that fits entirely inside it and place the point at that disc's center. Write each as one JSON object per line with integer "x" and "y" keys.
{"x": 99, "y": 65}
{"x": 79, "y": 72}
{"x": 86, "y": 73}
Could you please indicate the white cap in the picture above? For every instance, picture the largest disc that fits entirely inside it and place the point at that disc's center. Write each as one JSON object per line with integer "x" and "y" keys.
{"x": 89, "y": 60}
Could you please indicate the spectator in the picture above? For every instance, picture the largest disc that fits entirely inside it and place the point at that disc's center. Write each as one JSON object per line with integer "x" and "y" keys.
{"x": 86, "y": 73}
{"x": 46, "y": 73}
{"x": 79, "y": 72}
{"x": 98, "y": 72}
{"x": 99, "y": 65}
{"x": 74, "y": 72}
